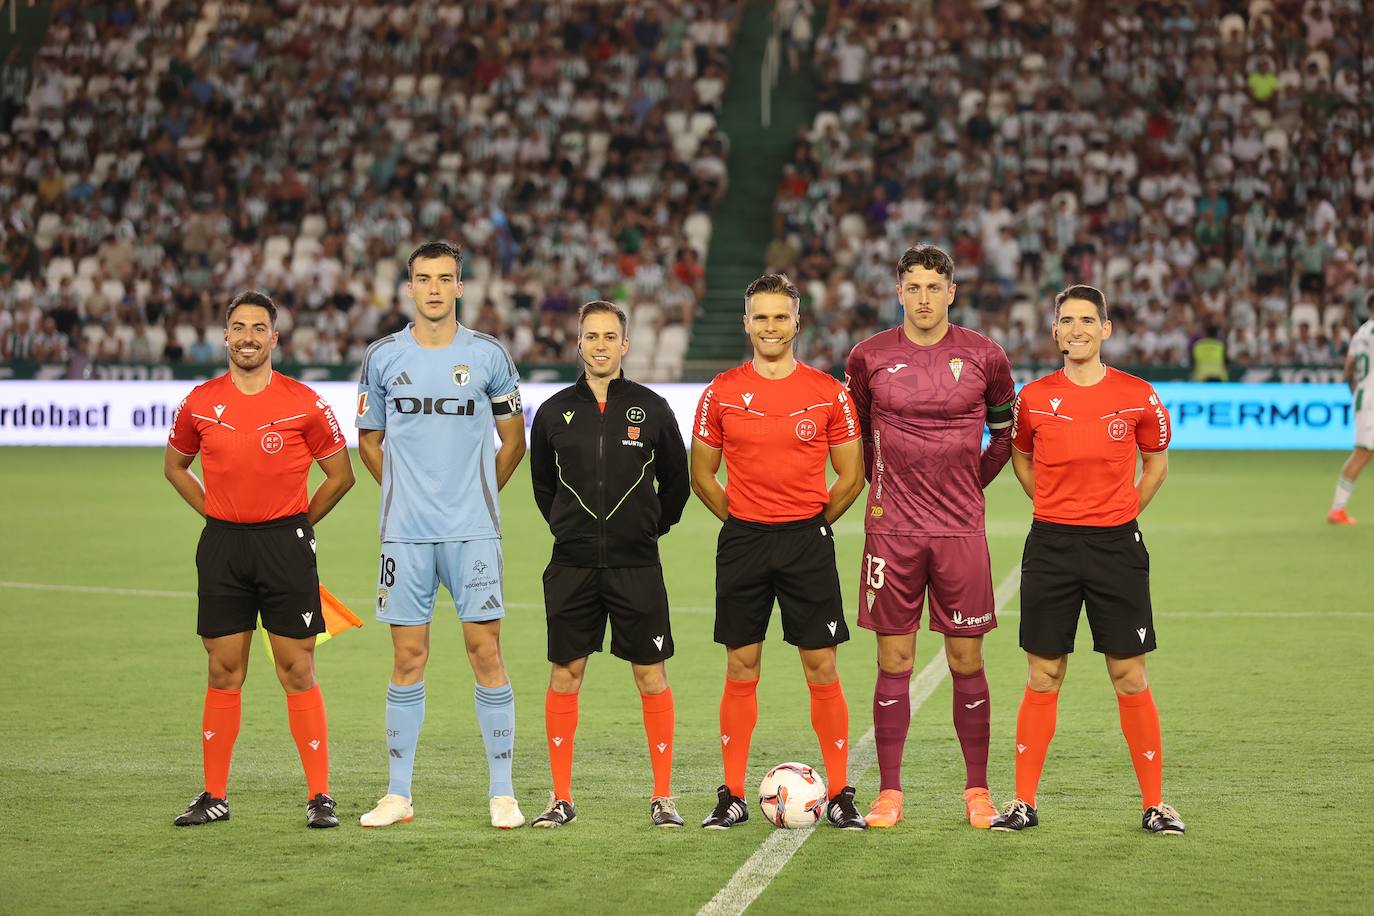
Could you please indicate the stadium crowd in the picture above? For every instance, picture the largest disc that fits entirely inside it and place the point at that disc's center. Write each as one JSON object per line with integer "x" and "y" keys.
{"x": 167, "y": 154}
{"x": 1210, "y": 165}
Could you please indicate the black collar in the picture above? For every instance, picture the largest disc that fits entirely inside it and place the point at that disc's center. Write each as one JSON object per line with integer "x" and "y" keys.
{"x": 584, "y": 390}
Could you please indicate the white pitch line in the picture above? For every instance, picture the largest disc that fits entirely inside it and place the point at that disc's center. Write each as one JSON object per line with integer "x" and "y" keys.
{"x": 753, "y": 877}
{"x": 96, "y": 590}
{"x": 1202, "y": 615}
{"x": 1004, "y": 593}
{"x": 158, "y": 593}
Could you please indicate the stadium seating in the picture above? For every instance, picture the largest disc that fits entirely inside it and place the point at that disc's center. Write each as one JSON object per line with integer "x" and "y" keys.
{"x": 284, "y": 154}
{"x": 1104, "y": 136}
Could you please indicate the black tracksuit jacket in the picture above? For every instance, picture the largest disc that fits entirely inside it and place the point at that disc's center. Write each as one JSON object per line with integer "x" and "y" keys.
{"x": 594, "y": 474}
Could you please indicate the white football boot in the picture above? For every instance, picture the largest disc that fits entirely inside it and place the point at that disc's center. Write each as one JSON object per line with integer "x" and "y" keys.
{"x": 505, "y": 813}
{"x": 391, "y": 809}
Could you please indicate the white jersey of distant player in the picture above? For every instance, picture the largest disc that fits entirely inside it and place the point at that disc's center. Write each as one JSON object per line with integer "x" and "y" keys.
{"x": 1362, "y": 349}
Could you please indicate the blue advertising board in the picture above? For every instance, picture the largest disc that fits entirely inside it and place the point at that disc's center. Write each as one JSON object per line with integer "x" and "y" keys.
{"x": 1205, "y": 416}
{"x": 1263, "y": 416}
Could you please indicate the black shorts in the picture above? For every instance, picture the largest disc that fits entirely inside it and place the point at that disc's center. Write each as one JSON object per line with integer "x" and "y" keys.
{"x": 1065, "y": 567}
{"x": 269, "y": 567}
{"x": 792, "y": 563}
{"x": 578, "y": 600}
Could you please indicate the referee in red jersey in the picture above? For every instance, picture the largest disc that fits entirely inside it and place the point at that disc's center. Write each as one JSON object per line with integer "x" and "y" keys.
{"x": 1076, "y": 435}
{"x": 257, "y": 432}
{"x": 776, "y": 421}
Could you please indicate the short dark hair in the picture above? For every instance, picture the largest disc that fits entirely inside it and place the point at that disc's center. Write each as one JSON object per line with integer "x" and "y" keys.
{"x": 931, "y": 257}
{"x": 439, "y": 248}
{"x": 1082, "y": 291}
{"x": 773, "y": 283}
{"x": 601, "y": 306}
{"x": 252, "y": 297}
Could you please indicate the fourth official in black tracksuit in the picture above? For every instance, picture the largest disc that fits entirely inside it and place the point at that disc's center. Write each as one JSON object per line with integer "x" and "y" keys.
{"x": 609, "y": 481}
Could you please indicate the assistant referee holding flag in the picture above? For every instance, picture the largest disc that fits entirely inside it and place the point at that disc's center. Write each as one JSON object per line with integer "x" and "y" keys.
{"x": 257, "y": 432}
{"x": 596, "y": 450}
{"x": 1075, "y": 436}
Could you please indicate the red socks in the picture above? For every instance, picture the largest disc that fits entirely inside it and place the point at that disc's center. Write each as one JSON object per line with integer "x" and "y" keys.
{"x": 305, "y": 713}
{"x": 658, "y": 728}
{"x": 219, "y": 728}
{"x": 560, "y": 725}
{"x": 739, "y": 713}
{"x": 1140, "y": 725}
{"x": 830, "y": 719}
{"x": 1034, "y": 730}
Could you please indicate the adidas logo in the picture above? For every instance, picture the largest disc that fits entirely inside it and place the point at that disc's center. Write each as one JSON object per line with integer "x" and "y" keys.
{"x": 307, "y": 617}
{"x": 504, "y": 755}
{"x": 658, "y": 642}
{"x": 209, "y": 735}
{"x": 661, "y": 747}
{"x": 402, "y": 379}
{"x": 1150, "y": 755}
{"x": 314, "y": 745}
{"x": 491, "y": 603}
{"x": 557, "y": 741}
{"x": 1020, "y": 748}
{"x": 724, "y": 739}
{"x": 397, "y": 754}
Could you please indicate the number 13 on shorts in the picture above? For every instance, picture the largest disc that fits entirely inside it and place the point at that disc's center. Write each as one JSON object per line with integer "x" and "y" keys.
{"x": 873, "y": 571}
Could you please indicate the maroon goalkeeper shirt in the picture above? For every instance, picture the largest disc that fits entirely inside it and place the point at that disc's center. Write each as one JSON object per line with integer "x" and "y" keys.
{"x": 922, "y": 412}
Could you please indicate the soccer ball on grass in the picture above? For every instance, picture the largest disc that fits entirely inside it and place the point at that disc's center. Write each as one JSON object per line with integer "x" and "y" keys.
{"x": 792, "y": 795}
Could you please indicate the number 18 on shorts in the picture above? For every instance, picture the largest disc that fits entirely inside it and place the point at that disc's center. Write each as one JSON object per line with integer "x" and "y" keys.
{"x": 409, "y": 577}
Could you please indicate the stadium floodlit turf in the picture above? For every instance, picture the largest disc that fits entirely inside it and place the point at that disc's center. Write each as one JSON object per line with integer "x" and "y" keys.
{"x": 1266, "y": 628}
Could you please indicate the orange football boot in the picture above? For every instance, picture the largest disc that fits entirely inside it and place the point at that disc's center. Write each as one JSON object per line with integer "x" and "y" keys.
{"x": 978, "y": 805}
{"x": 1340, "y": 517}
{"x": 886, "y": 810}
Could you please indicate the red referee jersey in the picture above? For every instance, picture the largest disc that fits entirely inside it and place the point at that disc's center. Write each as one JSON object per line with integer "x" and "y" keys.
{"x": 776, "y": 435}
{"x": 255, "y": 450}
{"x": 1084, "y": 442}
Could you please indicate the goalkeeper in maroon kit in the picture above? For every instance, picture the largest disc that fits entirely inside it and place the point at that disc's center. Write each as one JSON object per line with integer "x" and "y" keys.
{"x": 923, "y": 392}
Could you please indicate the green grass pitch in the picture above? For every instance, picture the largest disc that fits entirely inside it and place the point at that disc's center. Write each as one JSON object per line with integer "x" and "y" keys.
{"x": 1266, "y": 632}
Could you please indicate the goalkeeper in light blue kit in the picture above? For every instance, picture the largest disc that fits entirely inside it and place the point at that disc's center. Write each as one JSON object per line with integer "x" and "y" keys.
{"x": 430, "y": 392}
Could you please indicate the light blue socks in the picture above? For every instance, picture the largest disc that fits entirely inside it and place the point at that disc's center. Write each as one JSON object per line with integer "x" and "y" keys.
{"x": 405, "y": 713}
{"x": 496, "y": 718}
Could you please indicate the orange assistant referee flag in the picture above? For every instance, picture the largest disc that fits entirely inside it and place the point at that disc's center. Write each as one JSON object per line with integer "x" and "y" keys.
{"x": 337, "y": 619}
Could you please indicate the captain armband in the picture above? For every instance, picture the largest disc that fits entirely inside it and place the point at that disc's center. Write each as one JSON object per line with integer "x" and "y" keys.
{"x": 506, "y": 405}
{"x": 999, "y": 417}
